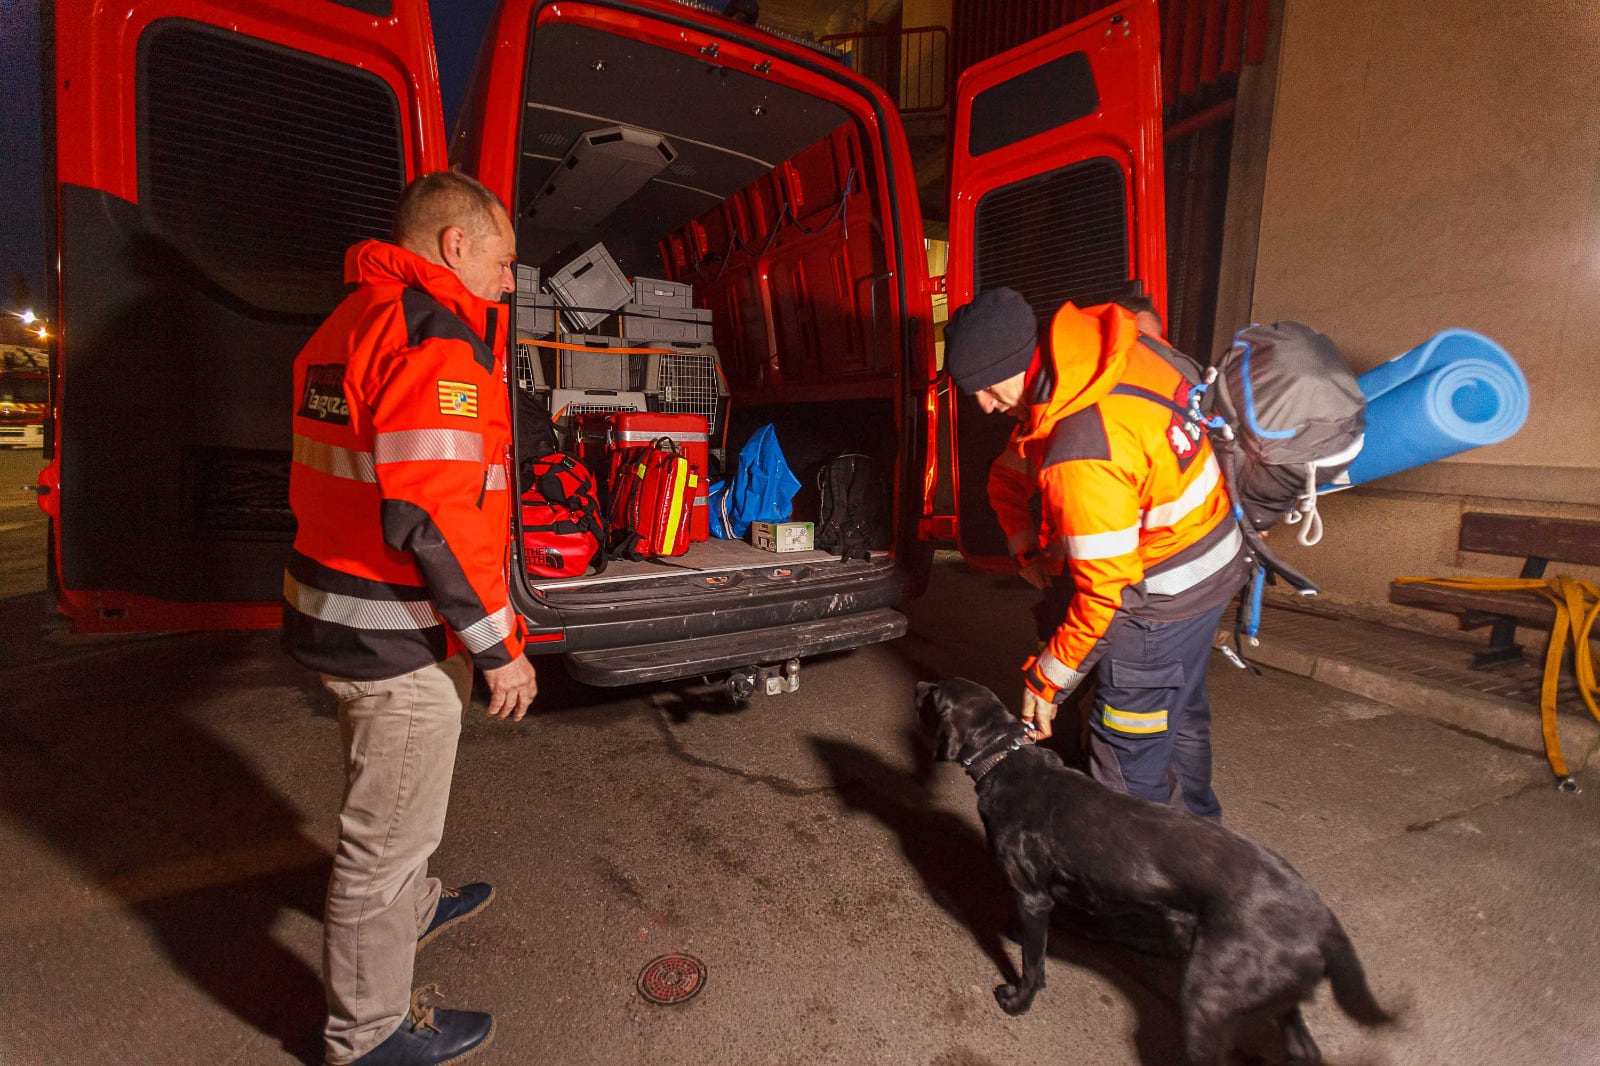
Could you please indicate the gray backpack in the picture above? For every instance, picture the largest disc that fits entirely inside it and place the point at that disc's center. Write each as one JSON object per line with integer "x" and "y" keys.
{"x": 1298, "y": 418}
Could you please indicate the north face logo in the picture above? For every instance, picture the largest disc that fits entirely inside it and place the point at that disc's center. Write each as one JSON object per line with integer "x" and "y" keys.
{"x": 1183, "y": 437}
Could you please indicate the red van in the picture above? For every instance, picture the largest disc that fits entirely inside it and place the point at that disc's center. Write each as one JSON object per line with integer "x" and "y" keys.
{"x": 24, "y": 398}
{"x": 214, "y": 158}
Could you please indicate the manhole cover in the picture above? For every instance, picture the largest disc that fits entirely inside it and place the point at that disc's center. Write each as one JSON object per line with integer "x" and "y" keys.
{"x": 674, "y": 978}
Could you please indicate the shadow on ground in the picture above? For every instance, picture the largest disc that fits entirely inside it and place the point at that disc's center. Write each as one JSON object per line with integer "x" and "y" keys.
{"x": 114, "y": 769}
{"x": 952, "y": 858}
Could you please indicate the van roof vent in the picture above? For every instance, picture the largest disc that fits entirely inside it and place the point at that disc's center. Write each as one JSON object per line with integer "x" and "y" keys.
{"x": 605, "y": 167}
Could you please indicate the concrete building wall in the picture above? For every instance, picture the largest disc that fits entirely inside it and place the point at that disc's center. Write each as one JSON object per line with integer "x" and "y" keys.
{"x": 1433, "y": 166}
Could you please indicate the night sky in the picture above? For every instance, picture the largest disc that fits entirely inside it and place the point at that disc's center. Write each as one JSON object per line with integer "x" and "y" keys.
{"x": 457, "y": 24}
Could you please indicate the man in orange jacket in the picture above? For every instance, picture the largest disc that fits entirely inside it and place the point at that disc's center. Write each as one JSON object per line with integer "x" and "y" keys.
{"x": 396, "y": 589}
{"x": 1134, "y": 515}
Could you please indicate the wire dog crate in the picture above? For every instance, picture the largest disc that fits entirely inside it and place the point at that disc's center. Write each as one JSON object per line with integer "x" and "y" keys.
{"x": 528, "y": 368}
{"x": 690, "y": 382}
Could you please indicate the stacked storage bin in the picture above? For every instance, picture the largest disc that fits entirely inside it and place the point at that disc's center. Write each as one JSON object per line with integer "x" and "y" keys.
{"x": 665, "y": 311}
{"x": 593, "y": 379}
{"x": 535, "y": 311}
{"x": 590, "y": 288}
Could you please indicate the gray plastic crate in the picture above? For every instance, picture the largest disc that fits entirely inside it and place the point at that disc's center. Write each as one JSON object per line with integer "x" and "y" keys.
{"x": 690, "y": 325}
{"x": 596, "y": 367}
{"x": 656, "y": 292}
{"x": 658, "y": 330}
{"x": 591, "y": 287}
{"x": 527, "y": 279}
{"x": 637, "y": 320}
{"x": 534, "y": 319}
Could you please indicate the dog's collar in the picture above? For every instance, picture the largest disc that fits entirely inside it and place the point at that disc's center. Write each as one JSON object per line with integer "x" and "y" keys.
{"x": 979, "y": 763}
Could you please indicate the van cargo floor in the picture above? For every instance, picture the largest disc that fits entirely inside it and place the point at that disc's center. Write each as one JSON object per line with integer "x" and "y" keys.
{"x": 704, "y": 557}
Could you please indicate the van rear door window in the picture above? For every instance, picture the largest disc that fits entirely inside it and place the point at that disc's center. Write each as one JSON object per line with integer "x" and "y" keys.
{"x": 1050, "y": 95}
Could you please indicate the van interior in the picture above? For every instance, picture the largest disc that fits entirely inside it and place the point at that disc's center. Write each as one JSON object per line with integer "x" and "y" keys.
{"x": 761, "y": 196}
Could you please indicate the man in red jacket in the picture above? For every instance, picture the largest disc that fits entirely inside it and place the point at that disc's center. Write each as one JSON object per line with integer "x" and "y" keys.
{"x": 396, "y": 589}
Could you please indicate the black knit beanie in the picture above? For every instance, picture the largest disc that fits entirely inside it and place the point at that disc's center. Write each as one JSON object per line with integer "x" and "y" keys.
{"x": 990, "y": 339}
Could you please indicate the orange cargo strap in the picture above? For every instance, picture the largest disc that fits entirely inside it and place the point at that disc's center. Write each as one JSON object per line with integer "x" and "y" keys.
{"x": 1577, "y": 605}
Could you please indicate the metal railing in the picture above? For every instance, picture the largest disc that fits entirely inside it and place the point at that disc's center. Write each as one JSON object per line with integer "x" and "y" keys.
{"x": 912, "y": 66}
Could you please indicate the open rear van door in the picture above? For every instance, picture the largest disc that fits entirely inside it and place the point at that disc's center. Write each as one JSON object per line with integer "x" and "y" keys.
{"x": 213, "y": 159}
{"x": 1056, "y": 191}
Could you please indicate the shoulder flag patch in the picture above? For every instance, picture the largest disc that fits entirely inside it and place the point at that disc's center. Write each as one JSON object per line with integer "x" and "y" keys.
{"x": 458, "y": 398}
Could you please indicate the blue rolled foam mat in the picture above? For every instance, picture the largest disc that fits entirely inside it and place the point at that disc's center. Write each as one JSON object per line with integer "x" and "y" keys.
{"x": 1457, "y": 390}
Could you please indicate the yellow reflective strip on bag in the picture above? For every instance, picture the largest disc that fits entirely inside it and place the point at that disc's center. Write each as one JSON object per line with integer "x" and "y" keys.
{"x": 1134, "y": 723}
{"x": 675, "y": 507}
{"x": 1577, "y": 605}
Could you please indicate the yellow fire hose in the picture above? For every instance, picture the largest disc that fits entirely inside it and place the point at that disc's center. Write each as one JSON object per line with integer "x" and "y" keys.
{"x": 1577, "y": 605}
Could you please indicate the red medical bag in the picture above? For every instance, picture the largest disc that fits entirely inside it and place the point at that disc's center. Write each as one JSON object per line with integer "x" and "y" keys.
{"x": 653, "y": 489}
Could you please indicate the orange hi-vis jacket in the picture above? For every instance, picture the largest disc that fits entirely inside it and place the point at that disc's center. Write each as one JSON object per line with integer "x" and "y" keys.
{"x": 400, "y": 479}
{"x": 1132, "y": 496}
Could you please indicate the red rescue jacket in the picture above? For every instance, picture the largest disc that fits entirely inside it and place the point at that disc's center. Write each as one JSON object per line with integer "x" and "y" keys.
{"x": 400, "y": 480}
{"x": 1133, "y": 497}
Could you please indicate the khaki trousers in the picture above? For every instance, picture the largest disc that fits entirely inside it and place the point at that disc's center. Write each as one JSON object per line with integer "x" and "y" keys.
{"x": 400, "y": 739}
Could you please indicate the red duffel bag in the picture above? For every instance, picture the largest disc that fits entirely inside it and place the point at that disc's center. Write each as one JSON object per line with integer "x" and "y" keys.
{"x": 562, "y": 528}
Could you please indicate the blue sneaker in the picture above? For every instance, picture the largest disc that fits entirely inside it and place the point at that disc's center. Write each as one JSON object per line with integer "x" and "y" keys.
{"x": 456, "y": 905}
{"x": 431, "y": 1036}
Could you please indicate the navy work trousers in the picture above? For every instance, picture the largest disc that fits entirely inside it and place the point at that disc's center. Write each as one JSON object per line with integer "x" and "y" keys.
{"x": 1150, "y": 726}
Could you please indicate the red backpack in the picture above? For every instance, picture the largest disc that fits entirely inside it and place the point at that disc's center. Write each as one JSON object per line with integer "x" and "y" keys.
{"x": 653, "y": 489}
{"x": 562, "y": 528}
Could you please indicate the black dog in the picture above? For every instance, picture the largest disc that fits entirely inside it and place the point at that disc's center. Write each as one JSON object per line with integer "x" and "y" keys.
{"x": 1261, "y": 939}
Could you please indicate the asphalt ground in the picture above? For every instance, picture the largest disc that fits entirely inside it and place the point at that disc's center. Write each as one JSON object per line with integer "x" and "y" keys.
{"x": 22, "y": 524}
{"x": 167, "y": 819}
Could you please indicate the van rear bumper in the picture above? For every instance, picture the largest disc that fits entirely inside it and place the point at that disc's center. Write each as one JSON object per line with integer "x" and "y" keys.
{"x": 674, "y": 659}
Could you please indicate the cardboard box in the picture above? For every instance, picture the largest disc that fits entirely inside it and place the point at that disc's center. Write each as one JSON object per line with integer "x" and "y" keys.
{"x": 783, "y": 536}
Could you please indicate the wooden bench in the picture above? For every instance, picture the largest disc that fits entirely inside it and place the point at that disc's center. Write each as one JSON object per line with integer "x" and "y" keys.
{"x": 1538, "y": 542}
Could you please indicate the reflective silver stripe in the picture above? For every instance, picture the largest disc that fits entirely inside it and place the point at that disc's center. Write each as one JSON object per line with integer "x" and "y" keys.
{"x": 1057, "y": 672}
{"x": 415, "y": 445}
{"x": 1194, "y": 497}
{"x": 333, "y": 460}
{"x": 1196, "y": 570}
{"x": 358, "y": 612}
{"x": 488, "y": 631}
{"x": 1104, "y": 545}
{"x": 639, "y": 436}
{"x": 495, "y": 478}
{"x": 1136, "y": 724}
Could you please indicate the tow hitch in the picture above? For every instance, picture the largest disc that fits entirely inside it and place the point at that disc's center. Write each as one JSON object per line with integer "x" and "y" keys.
{"x": 772, "y": 680}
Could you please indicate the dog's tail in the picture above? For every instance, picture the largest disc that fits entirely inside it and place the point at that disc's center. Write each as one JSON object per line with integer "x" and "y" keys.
{"x": 1349, "y": 981}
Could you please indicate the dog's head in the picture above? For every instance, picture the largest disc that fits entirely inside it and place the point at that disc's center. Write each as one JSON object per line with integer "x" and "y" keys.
{"x": 962, "y": 716}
